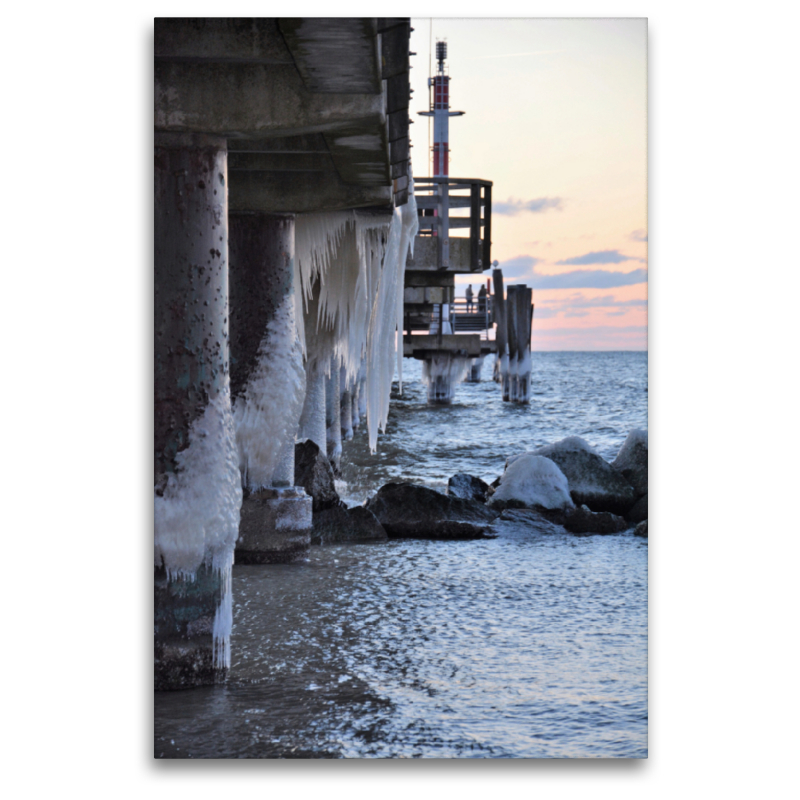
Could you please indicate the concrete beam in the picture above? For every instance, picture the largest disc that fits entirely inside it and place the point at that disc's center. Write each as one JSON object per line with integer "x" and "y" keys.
{"x": 241, "y": 101}
{"x": 255, "y": 41}
{"x": 425, "y": 256}
{"x": 280, "y": 162}
{"x": 337, "y": 54}
{"x": 283, "y": 192}
{"x": 360, "y": 153}
{"x": 424, "y": 346}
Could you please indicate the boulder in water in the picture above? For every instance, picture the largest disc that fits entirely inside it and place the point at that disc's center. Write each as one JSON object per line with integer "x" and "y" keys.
{"x": 417, "y": 512}
{"x": 583, "y": 520}
{"x": 532, "y": 481}
{"x": 468, "y": 487}
{"x": 631, "y": 461}
{"x": 641, "y": 530}
{"x": 592, "y": 480}
{"x": 313, "y": 471}
{"x": 639, "y": 512}
{"x": 341, "y": 524}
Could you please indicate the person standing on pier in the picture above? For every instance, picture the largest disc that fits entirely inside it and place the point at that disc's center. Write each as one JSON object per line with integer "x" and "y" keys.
{"x": 468, "y": 295}
{"x": 482, "y": 300}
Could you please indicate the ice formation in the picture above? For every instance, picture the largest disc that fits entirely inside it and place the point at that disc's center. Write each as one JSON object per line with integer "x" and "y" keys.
{"x": 346, "y": 405}
{"x": 351, "y": 268}
{"x": 535, "y": 481}
{"x": 441, "y": 373}
{"x": 266, "y": 416}
{"x": 312, "y": 419}
{"x": 197, "y": 517}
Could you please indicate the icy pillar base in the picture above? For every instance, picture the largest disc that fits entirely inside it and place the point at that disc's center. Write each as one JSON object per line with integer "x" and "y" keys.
{"x": 184, "y": 624}
{"x": 440, "y": 390}
{"x": 275, "y": 527}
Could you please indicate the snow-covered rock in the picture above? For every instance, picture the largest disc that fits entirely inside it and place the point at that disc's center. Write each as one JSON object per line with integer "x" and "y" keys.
{"x": 592, "y": 480}
{"x": 631, "y": 460}
{"x": 530, "y": 481}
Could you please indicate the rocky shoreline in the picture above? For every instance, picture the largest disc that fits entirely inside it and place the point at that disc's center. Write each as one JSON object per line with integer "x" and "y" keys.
{"x": 564, "y": 487}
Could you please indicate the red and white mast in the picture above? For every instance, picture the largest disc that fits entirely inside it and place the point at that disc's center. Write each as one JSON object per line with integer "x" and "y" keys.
{"x": 439, "y": 85}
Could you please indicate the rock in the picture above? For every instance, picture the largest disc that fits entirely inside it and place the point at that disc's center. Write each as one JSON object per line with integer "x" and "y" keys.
{"x": 468, "y": 487}
{"x": 313, "y": 471}
{"x": 592, "y": 480}
{"x": 533, "y": 520}
{"x": 638, "y": 512}
{"x": 341, "y": 524}
{"x": 641, "y": 529}
{"x": 583, "y": 520}
{"x": 631, "y": 461}
{"x": 496, "y": 482}
{"x": 417, "y": 512}
{"x": 531, "y": 481}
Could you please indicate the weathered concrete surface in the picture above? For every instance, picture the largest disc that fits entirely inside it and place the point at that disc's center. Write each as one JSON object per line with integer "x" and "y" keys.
{"x": 183, "y": 627}
{"x": 261, "y": 277}
{"x": 418, "y": 346}
{"x": 275, "y": 527}
{"x": 191, "y": 286}
{"x": 426, "y": 255}
{"x": 301, "y": 191}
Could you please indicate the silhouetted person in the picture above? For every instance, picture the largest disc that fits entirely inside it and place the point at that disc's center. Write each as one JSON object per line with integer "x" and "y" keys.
{"x": 468, "y": 295}
{"x": 482, "y": 300}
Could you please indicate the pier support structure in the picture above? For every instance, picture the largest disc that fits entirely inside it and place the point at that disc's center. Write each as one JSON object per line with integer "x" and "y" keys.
{"x": 197, "y": 492}
{"x": 269, "y": 384}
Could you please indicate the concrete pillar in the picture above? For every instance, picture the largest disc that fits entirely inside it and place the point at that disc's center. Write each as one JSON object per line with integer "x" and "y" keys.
{"x": 333, "y": 416}
{"x": 269, "y": 384}
{"x": 356, "y": 417}
{"x": 197, "y": 491}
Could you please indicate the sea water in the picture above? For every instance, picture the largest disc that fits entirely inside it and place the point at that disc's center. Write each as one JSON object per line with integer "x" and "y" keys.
{"x": 526, "y": 645}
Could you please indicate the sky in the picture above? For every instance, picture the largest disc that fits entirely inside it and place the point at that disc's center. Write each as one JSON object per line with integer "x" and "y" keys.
{"x": 556, "y": 118}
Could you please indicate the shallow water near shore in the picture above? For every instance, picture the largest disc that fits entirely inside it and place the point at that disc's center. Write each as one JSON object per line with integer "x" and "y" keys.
{"x": 526, "y": 645}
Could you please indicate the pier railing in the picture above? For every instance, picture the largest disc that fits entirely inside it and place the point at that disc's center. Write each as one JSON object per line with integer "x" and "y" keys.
{"x": 437, "y": 197}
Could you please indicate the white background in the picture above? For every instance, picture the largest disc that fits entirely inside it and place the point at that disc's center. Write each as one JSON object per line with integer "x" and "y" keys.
{"x": 77, "y": 416}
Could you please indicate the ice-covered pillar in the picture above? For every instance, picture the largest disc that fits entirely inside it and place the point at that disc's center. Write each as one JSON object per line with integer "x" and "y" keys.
{"x": 312, "y": 420}
{"x": 333, "y": 416}
{"x": 524, "y": 297}
{"x": 512, "y": 307}
{"x": 475, "y": 367}
{"x": 268, "y": 383}
{"x": 197, "y": 490}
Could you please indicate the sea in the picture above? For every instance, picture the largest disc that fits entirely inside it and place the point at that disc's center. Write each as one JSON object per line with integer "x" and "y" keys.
{"x": 528, "y": 645}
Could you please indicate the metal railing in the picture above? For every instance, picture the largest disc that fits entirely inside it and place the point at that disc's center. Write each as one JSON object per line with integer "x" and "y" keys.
{"x": 436, "y": 197}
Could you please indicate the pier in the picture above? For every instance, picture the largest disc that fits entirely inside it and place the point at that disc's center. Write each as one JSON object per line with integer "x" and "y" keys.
{"x": 283, "y": 212}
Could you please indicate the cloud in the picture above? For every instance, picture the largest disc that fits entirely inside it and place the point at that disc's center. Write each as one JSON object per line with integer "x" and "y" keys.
{"x": 537, "y": 206}
{"x": 639, "y": 235}
{"x": 519, "y": 267}
{"x": 588, "y": 279}
{"x": 598, "y": 257}
{"x": 629, "y": 337}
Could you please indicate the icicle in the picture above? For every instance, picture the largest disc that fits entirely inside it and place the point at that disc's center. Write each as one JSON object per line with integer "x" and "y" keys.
{"x": 197, "y": 518}
{"x": 346, "y": 406}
